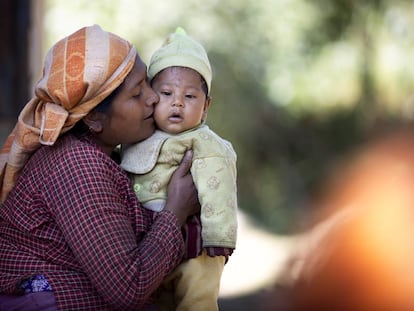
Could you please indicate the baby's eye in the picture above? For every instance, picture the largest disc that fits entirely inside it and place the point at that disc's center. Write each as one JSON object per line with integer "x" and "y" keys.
{"x": 190, "y": 96}
{"x": 166, "y": 93}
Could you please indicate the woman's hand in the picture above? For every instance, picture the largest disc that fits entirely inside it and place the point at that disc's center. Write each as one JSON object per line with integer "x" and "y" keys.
{"x": 182, "y": 197}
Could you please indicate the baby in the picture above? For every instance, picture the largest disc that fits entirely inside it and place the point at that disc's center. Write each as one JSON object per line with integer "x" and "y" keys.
{"x": 180, "y": 73}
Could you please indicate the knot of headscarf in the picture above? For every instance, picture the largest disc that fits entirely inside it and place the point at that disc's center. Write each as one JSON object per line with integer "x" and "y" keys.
{"x": 79, "y": 72}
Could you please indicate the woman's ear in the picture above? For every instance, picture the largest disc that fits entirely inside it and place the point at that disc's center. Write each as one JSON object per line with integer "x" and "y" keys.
{"x": 94, "y": 120}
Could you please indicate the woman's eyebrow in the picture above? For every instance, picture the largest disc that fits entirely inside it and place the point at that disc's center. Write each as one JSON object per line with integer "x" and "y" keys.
{"x": 138, "y": 84}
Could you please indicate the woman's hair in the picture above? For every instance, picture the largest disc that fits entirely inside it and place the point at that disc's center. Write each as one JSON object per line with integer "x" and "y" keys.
{"x": 106, "y": 103}
{"x": 80, "y": 128}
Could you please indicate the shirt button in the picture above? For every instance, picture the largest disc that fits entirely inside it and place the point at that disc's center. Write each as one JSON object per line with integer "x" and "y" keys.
{"x": 137, "y": 187}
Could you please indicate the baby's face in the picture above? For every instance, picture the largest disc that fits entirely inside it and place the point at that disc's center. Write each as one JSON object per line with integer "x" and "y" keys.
{"x": 183, "y": 103}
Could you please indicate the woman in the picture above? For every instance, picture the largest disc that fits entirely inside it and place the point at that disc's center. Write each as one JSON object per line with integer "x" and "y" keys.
{"x": 72, "y": 234}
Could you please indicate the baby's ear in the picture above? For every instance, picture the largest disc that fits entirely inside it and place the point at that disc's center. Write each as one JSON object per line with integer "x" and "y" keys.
{"x": 207, "y": 104}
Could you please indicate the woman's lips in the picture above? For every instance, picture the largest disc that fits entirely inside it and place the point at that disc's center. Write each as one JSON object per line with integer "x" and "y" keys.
{"x": 151, "y": 116}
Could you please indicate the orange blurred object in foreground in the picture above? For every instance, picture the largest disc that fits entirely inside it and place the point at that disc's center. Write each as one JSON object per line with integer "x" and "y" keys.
{"x": 364, "y": 261}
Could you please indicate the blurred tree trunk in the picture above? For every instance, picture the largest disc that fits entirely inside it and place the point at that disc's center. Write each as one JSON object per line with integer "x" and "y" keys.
{"x": 368, "y": 107}
{"x": 17, "y": 51}
{"x": 14, "y": 29}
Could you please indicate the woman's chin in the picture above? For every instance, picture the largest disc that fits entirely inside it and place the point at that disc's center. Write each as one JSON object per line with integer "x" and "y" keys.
{"x": 148, "y": 132}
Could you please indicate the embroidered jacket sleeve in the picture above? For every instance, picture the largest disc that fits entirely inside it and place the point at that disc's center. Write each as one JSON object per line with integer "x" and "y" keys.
{"x": 214, "y": 174}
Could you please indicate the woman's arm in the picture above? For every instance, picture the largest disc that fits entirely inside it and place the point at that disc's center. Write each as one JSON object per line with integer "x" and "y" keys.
{"x": 123, "y": 255}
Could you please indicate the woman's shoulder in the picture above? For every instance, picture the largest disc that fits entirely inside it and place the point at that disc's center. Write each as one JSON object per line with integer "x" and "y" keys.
{"x": 71, "y": 152}
{"x": 80, "y": 147}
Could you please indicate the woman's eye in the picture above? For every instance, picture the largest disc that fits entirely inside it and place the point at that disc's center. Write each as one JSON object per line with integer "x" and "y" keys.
{"x": 137, "y": 95}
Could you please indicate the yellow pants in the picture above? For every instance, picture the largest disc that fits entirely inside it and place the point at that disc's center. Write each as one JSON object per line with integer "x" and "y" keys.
{"x": 194, "y": 285}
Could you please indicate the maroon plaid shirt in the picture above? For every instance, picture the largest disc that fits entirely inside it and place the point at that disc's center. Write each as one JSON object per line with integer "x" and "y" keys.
{"x": 74, "y": 218}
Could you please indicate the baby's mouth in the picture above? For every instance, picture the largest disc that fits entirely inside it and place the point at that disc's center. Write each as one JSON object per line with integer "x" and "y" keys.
{"x": 175, "y": 117}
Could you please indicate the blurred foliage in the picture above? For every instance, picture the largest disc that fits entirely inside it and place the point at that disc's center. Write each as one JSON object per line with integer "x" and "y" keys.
{"x": 297, "y": 83}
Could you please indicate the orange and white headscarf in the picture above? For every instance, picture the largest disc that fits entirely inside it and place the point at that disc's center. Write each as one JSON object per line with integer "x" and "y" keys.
{"x": 79, "y": 72}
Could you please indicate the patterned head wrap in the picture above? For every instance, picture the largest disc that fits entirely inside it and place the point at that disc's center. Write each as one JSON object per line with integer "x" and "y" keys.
{"x": 79, "y": 72}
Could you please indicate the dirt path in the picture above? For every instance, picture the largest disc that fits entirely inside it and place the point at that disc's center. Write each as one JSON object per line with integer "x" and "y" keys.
{"x": 254, "y": 266}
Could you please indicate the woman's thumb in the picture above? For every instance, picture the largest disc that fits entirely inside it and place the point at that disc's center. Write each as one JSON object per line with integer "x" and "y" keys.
{"x": 185, "y": 164}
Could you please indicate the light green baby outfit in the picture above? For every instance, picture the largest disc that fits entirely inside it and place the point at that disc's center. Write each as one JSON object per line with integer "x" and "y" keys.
{"x": 152, "y": 162}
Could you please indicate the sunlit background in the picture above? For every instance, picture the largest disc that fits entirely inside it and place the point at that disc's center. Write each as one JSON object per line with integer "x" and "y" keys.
{"x": 297, "y": 84}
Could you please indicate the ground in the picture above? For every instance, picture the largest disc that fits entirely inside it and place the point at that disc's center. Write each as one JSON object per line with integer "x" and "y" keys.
{"x": 254, "y": 267}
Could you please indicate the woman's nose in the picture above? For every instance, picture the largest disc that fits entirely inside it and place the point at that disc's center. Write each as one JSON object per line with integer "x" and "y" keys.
{"x": 153, "y": 98}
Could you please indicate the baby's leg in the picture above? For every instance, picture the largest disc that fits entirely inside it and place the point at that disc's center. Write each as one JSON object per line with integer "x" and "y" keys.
{"x": 196, "y": 283}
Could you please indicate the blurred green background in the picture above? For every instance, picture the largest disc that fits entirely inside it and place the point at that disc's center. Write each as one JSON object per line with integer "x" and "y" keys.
{"x": 297, "y": 84}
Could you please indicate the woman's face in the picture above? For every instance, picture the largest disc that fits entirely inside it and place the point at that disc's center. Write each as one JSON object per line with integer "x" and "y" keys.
{"x": 130, "y": 116}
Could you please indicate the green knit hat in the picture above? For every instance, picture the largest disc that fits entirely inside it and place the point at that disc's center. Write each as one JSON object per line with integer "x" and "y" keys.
{"x": 181, "y": 50}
